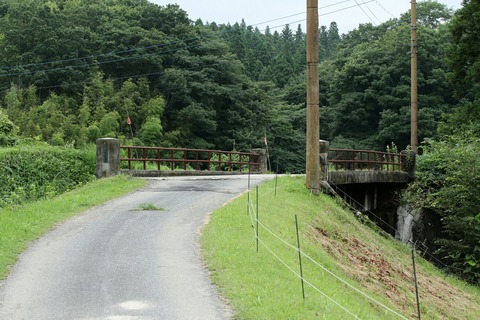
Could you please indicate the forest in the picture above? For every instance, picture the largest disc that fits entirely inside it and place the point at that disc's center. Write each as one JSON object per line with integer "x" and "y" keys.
{"x": 73, "y": 71}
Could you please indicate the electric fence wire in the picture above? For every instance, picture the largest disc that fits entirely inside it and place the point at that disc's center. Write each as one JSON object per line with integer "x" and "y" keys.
{"x": 308, "y": 282}
{"x": 395, "y": 230}
{"x": 325, "y": 269}
{"x": 294, "y": 272}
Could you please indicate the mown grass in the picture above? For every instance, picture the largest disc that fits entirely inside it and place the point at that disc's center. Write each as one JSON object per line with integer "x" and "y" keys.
{"x": 259, "y": 286}
{"x": 22, "y": 224}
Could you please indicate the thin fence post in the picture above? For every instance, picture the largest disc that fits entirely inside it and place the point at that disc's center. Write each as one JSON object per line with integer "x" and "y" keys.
{"x": 248, "y": 195}
{"x": 257, "y": 220}
{"x": 416, "y": 283}
{"x": 276, "y": 178}
{"x": 300, "y": 257}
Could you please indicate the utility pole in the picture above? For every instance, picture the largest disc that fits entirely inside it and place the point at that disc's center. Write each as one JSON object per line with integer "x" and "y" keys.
{"x": 313, "y": 100}
{"x": 414, "y": 85}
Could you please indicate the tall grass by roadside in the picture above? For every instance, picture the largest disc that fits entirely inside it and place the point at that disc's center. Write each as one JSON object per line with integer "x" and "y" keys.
{"x": 374, "y": 273}
{"x": 21, "y": 225}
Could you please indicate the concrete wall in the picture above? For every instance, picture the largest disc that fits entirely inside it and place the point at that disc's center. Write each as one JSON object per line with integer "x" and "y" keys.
{"x": 363, "y": 177}
{"x": 263, "y": 161}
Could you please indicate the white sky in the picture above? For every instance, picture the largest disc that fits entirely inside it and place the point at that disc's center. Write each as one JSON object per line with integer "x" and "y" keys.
{"x": 255, "y": 12}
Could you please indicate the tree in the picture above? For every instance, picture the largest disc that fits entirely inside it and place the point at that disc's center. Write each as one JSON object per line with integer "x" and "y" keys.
{"x": 151, "y": 132}
{"x": 430, "y": 13}
{"x": 8, "y": 131}
{"x": 464, "y": 54}
{"x": 448, "y": 183}
{"x": 368, "y": 86}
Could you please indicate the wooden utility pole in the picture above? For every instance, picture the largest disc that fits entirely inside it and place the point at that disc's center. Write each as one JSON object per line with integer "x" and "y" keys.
{"x": 414, "y": 85}
{"x": 313, "y": 99}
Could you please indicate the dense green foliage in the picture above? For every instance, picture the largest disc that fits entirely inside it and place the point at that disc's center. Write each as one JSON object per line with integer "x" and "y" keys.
{"x": 448, "y": 173}
{"x": 8, "y": 131}
{"x": 34, "y": 172}
{"x": 448, "y": 184}
{"x": 73, "y": 71}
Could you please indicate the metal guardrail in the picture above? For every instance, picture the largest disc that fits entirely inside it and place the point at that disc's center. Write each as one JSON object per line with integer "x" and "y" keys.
{"x": 171, "y": 159}
{"x": 365, "y": 160}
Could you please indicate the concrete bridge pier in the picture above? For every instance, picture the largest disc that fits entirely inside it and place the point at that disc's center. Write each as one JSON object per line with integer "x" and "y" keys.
{"x": 371, "y": 198}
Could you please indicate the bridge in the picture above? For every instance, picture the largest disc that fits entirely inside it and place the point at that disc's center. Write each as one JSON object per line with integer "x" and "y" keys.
{"x": 367, "y": 177}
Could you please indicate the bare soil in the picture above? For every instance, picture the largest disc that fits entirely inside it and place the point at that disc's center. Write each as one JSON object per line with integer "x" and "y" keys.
{"x": 393, "y": 277}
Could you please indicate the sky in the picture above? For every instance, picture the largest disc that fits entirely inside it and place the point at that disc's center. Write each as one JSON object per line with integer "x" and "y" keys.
{"x": 260, "y": 13}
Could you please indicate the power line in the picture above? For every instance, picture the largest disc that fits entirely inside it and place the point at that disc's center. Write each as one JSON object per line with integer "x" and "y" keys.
{"x": 141, "y": 48}
{"x": 298, "y": 14}
{"x": 365, "y": 12}
{"x": 100, "y": 55}
{"x": 320, "y": 15}
{"x": 147, "y": 47}
{"x": 138, "y": 56}
{"x": 98, "y": 63}
{"x": 380, "y": 21}
{"x": 384, "y": 9}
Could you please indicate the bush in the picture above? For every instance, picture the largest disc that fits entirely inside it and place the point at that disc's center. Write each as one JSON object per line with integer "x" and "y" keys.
{"x": 8, "y": 131}
{"x": 448, "y": 183}
{"x": 34, "y": 172}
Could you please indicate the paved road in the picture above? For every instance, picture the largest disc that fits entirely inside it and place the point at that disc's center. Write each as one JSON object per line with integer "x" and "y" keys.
{"x": 113, "y": 263}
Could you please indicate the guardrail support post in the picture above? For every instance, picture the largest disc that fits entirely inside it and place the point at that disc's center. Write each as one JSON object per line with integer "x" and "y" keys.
{"x": 108, "y": 157}
{"x": 324, "y": 149}
{"x": 263, "y": 168}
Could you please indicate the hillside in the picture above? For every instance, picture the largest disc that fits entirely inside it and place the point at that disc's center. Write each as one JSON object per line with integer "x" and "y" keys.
{"x": 373, "y": 273}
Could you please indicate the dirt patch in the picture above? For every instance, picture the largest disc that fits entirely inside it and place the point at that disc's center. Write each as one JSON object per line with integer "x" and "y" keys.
{"x": 393, "y": 277}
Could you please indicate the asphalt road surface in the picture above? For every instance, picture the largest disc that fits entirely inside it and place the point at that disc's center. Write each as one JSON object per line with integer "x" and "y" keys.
{"x": 114, "y": 263}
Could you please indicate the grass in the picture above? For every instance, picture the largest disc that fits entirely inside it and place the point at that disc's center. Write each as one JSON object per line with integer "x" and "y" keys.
{"x": 148, "y": 207}
{"x": 21, "y": 225}
{"x": 259, "y": 286}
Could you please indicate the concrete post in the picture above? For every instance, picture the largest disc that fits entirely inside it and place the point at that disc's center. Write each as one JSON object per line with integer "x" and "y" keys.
{"x": 108, "y": 157}
{"x": 263, "y": 168}
{"x": 324, "y": 148}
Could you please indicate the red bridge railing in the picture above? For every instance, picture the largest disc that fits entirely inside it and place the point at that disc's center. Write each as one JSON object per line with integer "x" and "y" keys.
{"x": 365, "y": 160}
{"x": 171, "y": 159}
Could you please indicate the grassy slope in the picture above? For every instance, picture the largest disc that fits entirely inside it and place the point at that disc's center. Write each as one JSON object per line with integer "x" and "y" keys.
{"x": 260, "y": 287}
{"x": 21, "y": 225}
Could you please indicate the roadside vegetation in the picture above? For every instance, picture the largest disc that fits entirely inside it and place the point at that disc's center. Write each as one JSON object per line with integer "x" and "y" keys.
{"x": 259, "y": 285}
{"x": 35, "y": 170}
{"x": 19, "y": 225}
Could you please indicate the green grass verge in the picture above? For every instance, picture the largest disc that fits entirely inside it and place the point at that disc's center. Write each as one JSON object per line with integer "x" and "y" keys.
{"x": 259, "y": 286}
{"x": 21, "y": 225}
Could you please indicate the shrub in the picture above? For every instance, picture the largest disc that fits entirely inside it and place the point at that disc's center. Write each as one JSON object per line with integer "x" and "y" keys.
{"x": 34, "y": 172}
